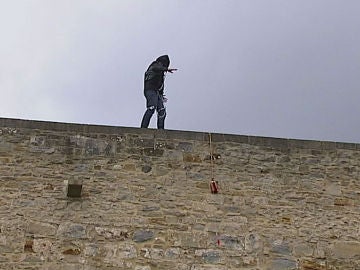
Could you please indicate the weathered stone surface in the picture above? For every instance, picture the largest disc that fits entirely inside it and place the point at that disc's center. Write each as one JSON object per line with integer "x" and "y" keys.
{"x": 146, "y": 204}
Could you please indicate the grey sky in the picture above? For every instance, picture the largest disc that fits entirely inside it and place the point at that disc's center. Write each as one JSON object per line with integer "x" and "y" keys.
{"x": 274, "y": 68}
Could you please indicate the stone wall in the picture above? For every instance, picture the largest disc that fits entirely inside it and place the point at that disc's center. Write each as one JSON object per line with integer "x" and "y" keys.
{"x": 145, "y": 201}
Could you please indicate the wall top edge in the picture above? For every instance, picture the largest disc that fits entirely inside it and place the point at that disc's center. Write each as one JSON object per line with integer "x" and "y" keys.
{"x": 271, "y": 142}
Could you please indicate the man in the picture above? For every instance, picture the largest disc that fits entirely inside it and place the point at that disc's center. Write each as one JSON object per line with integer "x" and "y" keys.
{"x": 154, "y": 91}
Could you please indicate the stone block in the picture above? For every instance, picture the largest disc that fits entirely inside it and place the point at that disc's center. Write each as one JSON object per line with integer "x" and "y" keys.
{"x": 280, "y": 248}
{"x": 345, "y": 249}
{"x": 208, "y": 267}
{"x": 71, "y": 230}
{"x": 129, "y": 167}
{"x": 146, "y": 168}
{"x": 142, "y": 142}
{"x": 172, "y": 253}
{"x": 153, "y": 152}
{"x": 74, "y": 190}
{"x": 143, "y": 236}
{"x": 333, "y": 189}
{"x": 71, "y": 251}
{"x": 113, "y": 233}
{"x": 282, "y": 264}
{"x": 118, "y": 256}
{"x": 5, "y": 147}
{"x": 236, "y": 138}
{"x": 209, "y": 255}
{"x": 305, "y": 144}
{"x": 142, "y": 267}
{"x": 28, "y": 246}
{"x": 195, "y": 158}
{"x": 91, "y": 249}
{"x": 44, "y": 247}
{"x": 303, "y": 250}
{"x": 185, "y": 146}
{"x": 126, "y": 251}
{"x": 313, "y": 265}
{"x": 161, "y": 170}
{"x": 194, "y": 239}
{"x": 232, "y": 242}
{"x": 152, "y": 253}
{"x": 39, "y": 228}
{"x": 343, "y": 202}
{"x": 275, "y": 143}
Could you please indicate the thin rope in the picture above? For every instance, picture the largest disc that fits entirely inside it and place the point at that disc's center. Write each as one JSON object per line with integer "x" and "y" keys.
{"x": 211, "y": 157}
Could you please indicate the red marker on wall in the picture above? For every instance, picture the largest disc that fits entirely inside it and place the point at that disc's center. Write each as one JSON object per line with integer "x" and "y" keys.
{"x": 214, "y": 186}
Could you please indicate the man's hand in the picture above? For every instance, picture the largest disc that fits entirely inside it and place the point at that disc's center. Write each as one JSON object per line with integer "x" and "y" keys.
{"x": 171, "y": 70}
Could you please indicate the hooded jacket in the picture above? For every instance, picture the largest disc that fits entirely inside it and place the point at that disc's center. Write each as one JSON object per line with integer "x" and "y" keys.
{"x": 155, "y": 74}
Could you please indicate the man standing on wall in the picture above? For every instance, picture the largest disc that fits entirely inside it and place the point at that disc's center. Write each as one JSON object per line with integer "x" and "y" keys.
{"x": 154, "y": 91}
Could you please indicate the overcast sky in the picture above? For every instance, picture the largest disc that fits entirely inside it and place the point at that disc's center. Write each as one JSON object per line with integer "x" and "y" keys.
{"x": 277, "y": 68}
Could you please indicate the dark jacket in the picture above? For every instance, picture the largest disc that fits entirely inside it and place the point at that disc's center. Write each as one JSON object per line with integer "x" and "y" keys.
{"x": 155, "y": 74}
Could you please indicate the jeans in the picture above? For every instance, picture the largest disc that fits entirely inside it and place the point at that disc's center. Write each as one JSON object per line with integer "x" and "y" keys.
{"x": 154, "y": 101}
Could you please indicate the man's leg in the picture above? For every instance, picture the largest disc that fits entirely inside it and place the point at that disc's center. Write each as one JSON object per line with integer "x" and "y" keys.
{"x": 147, "y": 116}
{"x": 161, "y": 113}
{"x": 151, "y": 102}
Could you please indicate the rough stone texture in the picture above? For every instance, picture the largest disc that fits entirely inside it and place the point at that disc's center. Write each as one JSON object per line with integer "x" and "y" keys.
{"x": 146, "y": 204}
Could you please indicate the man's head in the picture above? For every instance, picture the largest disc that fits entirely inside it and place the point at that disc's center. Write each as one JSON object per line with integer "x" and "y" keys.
{"x": 164, "y": 60}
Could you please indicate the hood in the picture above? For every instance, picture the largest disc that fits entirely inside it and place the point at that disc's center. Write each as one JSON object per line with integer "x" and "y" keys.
{"x": 164, "y": 59}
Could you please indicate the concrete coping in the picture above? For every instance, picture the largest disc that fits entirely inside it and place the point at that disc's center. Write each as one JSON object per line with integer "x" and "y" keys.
{"x": 276, "y": 143}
